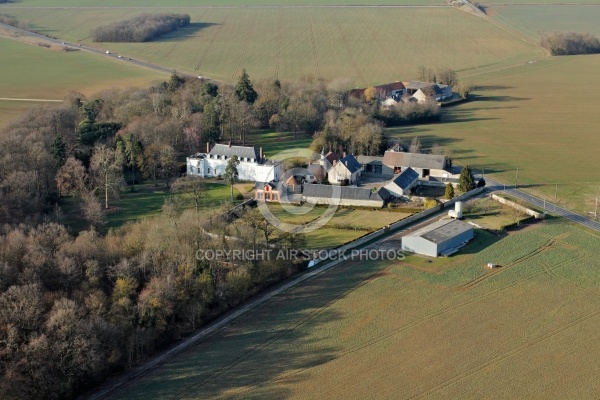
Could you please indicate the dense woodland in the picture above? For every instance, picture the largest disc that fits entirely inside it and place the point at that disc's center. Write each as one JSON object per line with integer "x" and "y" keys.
{"x": 570, "y": 43}
{"x": 142, "y": 28}
{"x": 78, "y": 306}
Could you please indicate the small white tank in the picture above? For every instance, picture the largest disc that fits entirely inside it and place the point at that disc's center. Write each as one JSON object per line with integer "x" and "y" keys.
{"x": 458, "y": 208}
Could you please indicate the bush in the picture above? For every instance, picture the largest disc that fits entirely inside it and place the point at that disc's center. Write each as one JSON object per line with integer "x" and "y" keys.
{"x": 570, "y": 43}
{"x": 142, "y": 28}
{"x": 239, "y": 196}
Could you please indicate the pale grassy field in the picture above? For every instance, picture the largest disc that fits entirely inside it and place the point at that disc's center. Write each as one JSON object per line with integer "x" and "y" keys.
{"x": 452, "y": 329}
{"x": 33, "y": 72}
{"x": 541, "y": 118}
{"x": 534, "y": 20}
{"x": 288, "y": 43}
{"x": 205, "y": 3}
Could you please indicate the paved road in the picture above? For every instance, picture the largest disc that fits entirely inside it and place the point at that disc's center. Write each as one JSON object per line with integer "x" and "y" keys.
{"x": 494, "y": 185}
{"x": 39, "y": 100}
{"x": 78, "y": 46}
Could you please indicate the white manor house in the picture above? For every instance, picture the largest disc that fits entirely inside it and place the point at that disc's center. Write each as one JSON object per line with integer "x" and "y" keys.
{"x": 253, "y": 166}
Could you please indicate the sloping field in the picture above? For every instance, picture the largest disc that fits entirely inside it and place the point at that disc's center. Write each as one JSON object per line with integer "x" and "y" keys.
{"x": 541, "y": 118}
{"x": 11, "y": 110}
{"x": 390, "y": 330}
{"x": 365, "y": 45}
{"x": 535, "y": 20}
{"x": 37, "y": 73}
{"x": 205, "y": 3}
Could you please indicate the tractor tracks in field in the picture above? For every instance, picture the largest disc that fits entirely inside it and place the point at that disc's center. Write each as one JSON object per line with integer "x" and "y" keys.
{"x": 501, "y": 357}
{"x": 279, "y": 40}
{"x": 314, "y": 47}
{"x": 273, "y": 339}
{"x": 247, "y": 38}
{"x": 543, "y": 248}
{"x": 211, "y": 42}
{"x": 348, "y": 49}
{"x": 399, "y": 330}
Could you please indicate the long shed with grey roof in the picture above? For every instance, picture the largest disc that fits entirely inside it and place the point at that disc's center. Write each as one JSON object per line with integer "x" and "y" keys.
{"x": 442, "y": 237}
{"x": 343, "y": 195}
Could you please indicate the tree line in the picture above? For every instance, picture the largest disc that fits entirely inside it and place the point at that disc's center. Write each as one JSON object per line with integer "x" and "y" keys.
{"x": 570, "y": 43}
{"x": 143, "y": 28}
{"x": 12, "y": 21}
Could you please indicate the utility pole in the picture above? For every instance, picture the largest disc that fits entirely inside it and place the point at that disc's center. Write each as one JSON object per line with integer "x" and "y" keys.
{"x": 596, "y": 210}
{"x": 555, "y": 193}
{"x": 517, "y": 177}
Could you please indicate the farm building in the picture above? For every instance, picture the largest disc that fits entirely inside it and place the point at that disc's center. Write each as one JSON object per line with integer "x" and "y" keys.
{"x": 442, "y": 237}
{"x": 403, "y": 182}
{"x": 253, "y": 166}
{"x": 346, "y": 169}
{"x": 343, "y": 195}
{"x": 425, "y": 164}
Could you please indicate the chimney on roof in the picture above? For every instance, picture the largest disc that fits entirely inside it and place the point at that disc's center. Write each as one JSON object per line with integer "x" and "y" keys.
{"x": 230, "y": 143}
{"x": 343, "y": 154}
{"x": 207, "y": 147}
{"x": 346, "y": 163}
{"x": 261, "y": 154}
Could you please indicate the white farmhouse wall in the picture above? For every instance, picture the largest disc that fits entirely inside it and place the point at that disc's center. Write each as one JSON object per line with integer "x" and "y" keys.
{"x": 339, "y": 172}
{"x": 268, "y": 172}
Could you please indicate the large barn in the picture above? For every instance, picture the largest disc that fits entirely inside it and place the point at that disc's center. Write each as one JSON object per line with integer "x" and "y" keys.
{"x": 442, "y": 237}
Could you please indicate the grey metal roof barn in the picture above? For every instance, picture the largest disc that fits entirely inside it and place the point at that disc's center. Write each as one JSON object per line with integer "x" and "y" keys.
{"x": 343, "y": 195}
{"x": 414, "y": 160}
{"x": 442, "y": 237}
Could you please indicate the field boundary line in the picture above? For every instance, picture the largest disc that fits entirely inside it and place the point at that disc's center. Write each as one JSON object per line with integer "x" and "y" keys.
{"x": 28, "y": 100}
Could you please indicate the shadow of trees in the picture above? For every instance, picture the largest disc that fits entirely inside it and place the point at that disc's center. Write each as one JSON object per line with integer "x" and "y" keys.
{"x": 277, "y": 341}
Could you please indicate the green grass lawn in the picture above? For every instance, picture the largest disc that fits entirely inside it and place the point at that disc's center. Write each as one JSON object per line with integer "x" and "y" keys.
{"x": 147, "y": 201}
{"x": 400, "y": 329}
{"x": 345, "y": 225}
{"x": 280, "y": 145}
{"x": 491, "y": 214}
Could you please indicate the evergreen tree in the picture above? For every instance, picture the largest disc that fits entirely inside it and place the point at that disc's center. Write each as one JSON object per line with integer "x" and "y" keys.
{"x": 466, "y": 181}
{"x": 449, "y": 191}
{"x": 244, "y": 89}
{"x": 59, "y": 151}
{"x": 231, "y": 172}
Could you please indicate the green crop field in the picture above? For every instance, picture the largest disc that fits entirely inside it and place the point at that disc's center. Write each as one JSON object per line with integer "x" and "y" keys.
{"x": 540, "y": 118}
{"x": 406, "y": 329}
{"x": 37, "y": 73}
{"x": 288, "y": 43}
{"x": 534, "y": 20}
{"x": 209, "y": 3}
{"x": 33, "y": 72}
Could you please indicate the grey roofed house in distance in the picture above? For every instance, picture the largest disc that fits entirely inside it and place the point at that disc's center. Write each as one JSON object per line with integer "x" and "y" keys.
{"x": 414, "y": 160}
